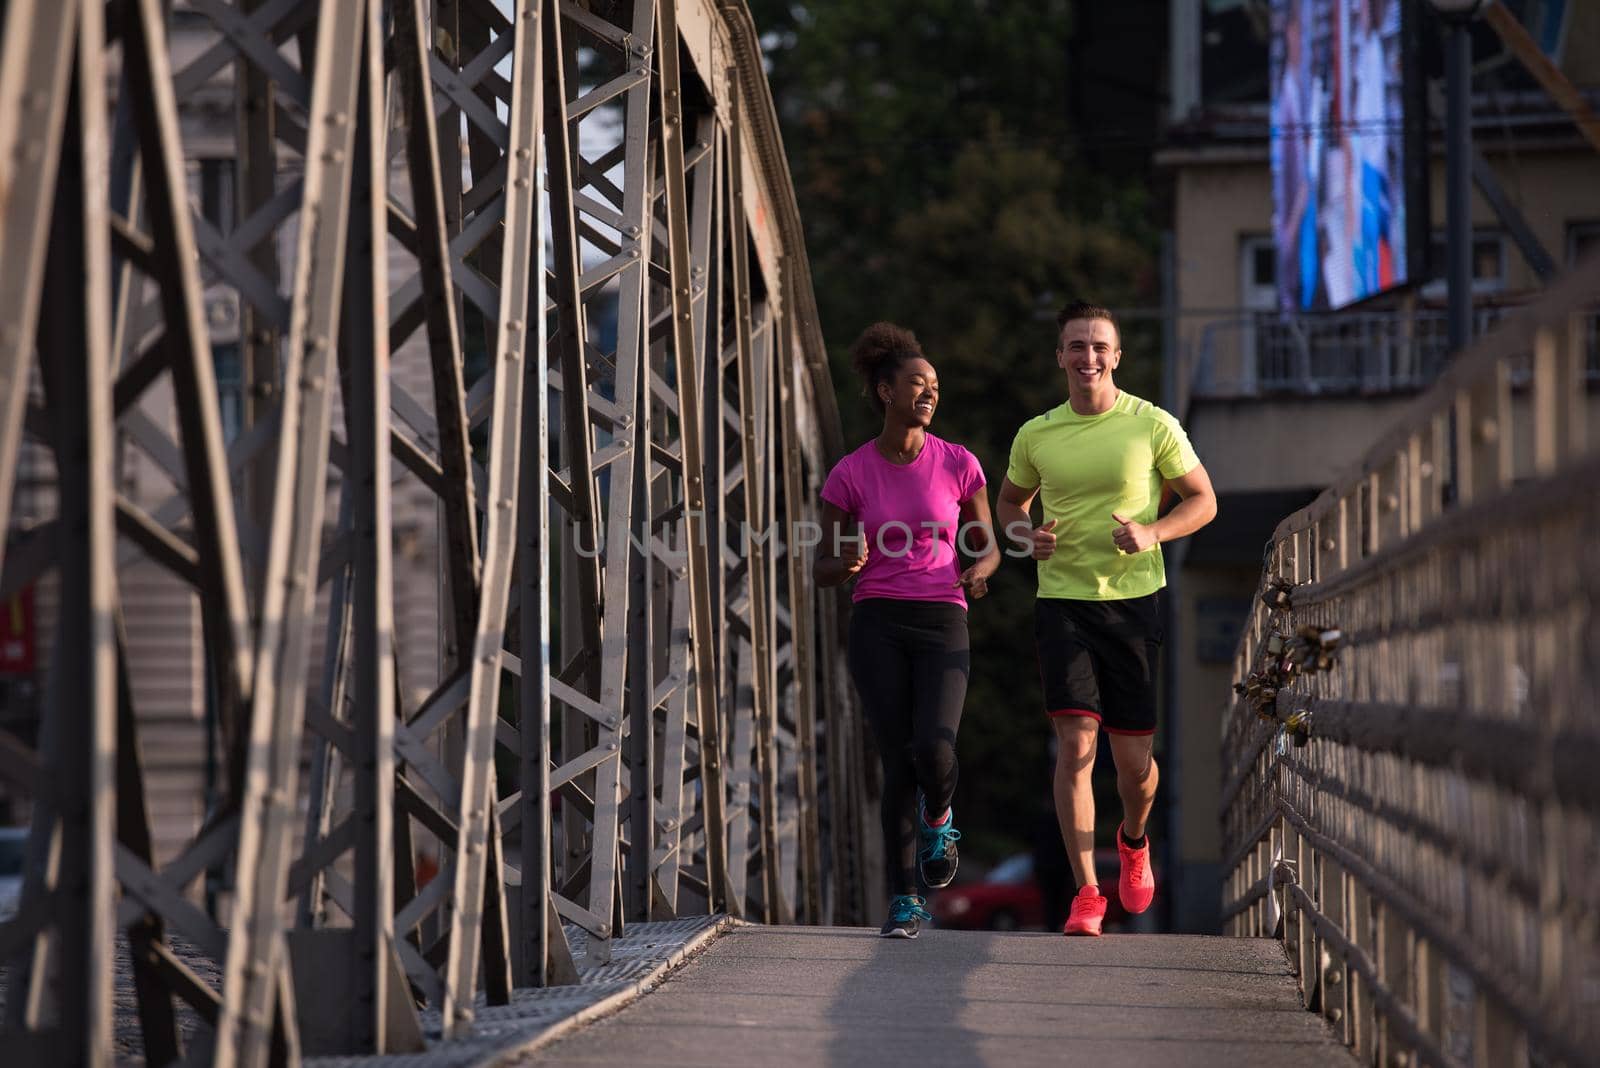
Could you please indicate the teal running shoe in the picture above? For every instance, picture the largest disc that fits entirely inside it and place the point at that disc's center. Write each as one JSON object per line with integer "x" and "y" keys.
{"x": 906, "y": 917}
{"x": 938, "y": 856}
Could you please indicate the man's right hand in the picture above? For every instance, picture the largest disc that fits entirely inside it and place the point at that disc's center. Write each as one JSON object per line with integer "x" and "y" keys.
{"x": 1044, "y": 542}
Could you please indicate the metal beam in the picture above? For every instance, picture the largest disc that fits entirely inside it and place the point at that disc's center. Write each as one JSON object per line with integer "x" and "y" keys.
{"x": 802, "y": 628}
{"x": 689, "y": 349}
{"x": 520, "y": 326}
{"x": 256, "y": 964}
{"x": 755, "y": 459}
{"x": 435, "y": 270}
{"x": 224, "y": 610}
{"x": 36, "y": 42}
{"x": 66, "y": 1002}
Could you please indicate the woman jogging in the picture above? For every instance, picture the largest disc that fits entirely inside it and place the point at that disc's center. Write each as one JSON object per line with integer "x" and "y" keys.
{"x": 917, "y": 500}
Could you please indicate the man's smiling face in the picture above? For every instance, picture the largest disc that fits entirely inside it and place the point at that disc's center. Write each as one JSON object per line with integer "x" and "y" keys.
{"x": 1088, "y": 351}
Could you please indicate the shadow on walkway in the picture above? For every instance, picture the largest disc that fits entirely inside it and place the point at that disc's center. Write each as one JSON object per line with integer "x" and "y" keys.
{"x": 904, "y": 1002}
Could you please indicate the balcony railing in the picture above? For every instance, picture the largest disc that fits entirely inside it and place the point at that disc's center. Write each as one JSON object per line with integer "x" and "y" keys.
{"x": 1266, "y": 353}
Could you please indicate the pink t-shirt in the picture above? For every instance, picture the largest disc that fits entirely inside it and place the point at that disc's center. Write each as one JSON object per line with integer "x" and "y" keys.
{"x": 912, "y": 515}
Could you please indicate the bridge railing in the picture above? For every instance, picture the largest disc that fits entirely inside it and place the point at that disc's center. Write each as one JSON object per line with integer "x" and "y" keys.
{"x": 525, "y": 276}
{"x": 1411, "y": 801}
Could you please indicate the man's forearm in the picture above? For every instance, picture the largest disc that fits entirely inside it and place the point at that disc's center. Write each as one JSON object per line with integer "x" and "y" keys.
{"x": 1009, "y": 515}
{"x": 1190, "y": 515}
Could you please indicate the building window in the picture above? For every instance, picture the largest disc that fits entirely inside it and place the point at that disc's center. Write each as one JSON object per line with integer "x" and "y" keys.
{"x": 1583, "y": 241}
{"x": 1489, "y": 257}
{"x": 1258, "y": 272}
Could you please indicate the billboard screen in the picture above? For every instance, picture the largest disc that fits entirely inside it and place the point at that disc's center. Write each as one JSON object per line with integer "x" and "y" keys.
{"x": 1338, "y": 151}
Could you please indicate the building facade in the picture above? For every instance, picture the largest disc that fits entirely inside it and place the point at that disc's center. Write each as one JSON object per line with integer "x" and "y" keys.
{"x": 1278, "y": 404}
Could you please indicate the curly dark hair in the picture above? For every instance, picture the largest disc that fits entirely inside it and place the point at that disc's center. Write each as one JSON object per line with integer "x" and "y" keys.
{"x": 1082, "y": 309}
{"x": 878, "y": 353}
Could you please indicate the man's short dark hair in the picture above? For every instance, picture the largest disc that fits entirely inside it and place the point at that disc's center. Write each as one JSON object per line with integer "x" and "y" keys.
{"x": 1082, "y": 309}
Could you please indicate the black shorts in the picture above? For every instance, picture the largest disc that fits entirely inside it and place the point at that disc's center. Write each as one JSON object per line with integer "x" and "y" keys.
{"x": 1100, "y": 658}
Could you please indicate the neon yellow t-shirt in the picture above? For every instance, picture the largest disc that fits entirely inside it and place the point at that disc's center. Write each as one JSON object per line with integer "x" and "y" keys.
{"x": 1086, "y": 467}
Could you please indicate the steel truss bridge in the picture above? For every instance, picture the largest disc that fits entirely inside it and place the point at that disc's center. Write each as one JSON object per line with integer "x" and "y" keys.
{"x": 577, "y": 219}
{"x": 574, "y": 223}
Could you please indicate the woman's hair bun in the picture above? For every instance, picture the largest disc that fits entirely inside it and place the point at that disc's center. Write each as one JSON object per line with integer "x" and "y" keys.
{"x": 879, "y": 352}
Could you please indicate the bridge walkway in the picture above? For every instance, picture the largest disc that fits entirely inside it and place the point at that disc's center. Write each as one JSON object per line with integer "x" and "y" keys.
{"x": 795, "y": 996}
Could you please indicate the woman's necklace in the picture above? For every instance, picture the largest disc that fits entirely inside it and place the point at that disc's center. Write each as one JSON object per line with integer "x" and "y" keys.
{"x": 899, "y": 455}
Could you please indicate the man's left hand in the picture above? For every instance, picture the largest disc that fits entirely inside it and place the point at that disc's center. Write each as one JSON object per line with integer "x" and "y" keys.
{"x": 1133, "y": 537}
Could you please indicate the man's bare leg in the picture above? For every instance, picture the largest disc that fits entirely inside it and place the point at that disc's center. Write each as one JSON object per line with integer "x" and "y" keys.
{"x": 1137, "y": 778}
{"x": 1076, "y": 737}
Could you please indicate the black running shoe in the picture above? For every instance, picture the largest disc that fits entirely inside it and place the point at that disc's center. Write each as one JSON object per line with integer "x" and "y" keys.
{"x": 939, "y": 857}
{"x": 906, "y": 916}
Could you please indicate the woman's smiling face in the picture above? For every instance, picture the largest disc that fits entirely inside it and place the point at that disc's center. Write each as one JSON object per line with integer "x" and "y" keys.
{"x": 913, "y": 395}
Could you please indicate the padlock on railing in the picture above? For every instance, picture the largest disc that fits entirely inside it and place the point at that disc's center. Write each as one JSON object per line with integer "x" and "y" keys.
{"x": 1301, "y": 648}
{"x": 1251, "y": 691}
{"x": 1299, "y": 726}
{"x": 1328, "y": 642}
{"x": 1279, "y": 595}
{"x": 1312, "y": 648}
{"x": 1272, "y": 666}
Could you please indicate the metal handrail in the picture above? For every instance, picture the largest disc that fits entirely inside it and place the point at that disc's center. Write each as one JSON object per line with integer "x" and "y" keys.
{"x": 1408, "y": 796}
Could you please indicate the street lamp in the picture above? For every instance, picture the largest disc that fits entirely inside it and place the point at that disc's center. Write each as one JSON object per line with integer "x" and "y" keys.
{"x": 1457, "y": 16}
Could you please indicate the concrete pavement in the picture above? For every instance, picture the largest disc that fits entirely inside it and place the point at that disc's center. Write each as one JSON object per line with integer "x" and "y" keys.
{"x": 794, "y": 996}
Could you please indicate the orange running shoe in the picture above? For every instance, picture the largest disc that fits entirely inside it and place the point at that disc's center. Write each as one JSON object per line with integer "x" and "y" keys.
{"x": 1136, "y": 886}
{"x": 1088, "y": 912}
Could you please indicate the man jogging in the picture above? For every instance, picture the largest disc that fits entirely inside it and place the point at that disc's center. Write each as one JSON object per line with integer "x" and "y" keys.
{"x": 1099, "y": 464}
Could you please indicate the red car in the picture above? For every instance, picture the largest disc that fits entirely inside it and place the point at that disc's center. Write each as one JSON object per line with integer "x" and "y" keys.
{"x": 1008, "y": 898}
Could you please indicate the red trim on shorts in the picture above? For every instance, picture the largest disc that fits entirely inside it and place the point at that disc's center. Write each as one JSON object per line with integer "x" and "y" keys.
{"x": 1142, "y": 734}
{"x": 1074, "y": 712}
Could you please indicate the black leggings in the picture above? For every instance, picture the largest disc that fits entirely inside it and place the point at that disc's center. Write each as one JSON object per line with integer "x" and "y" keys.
{"x": 910, "y": 661}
